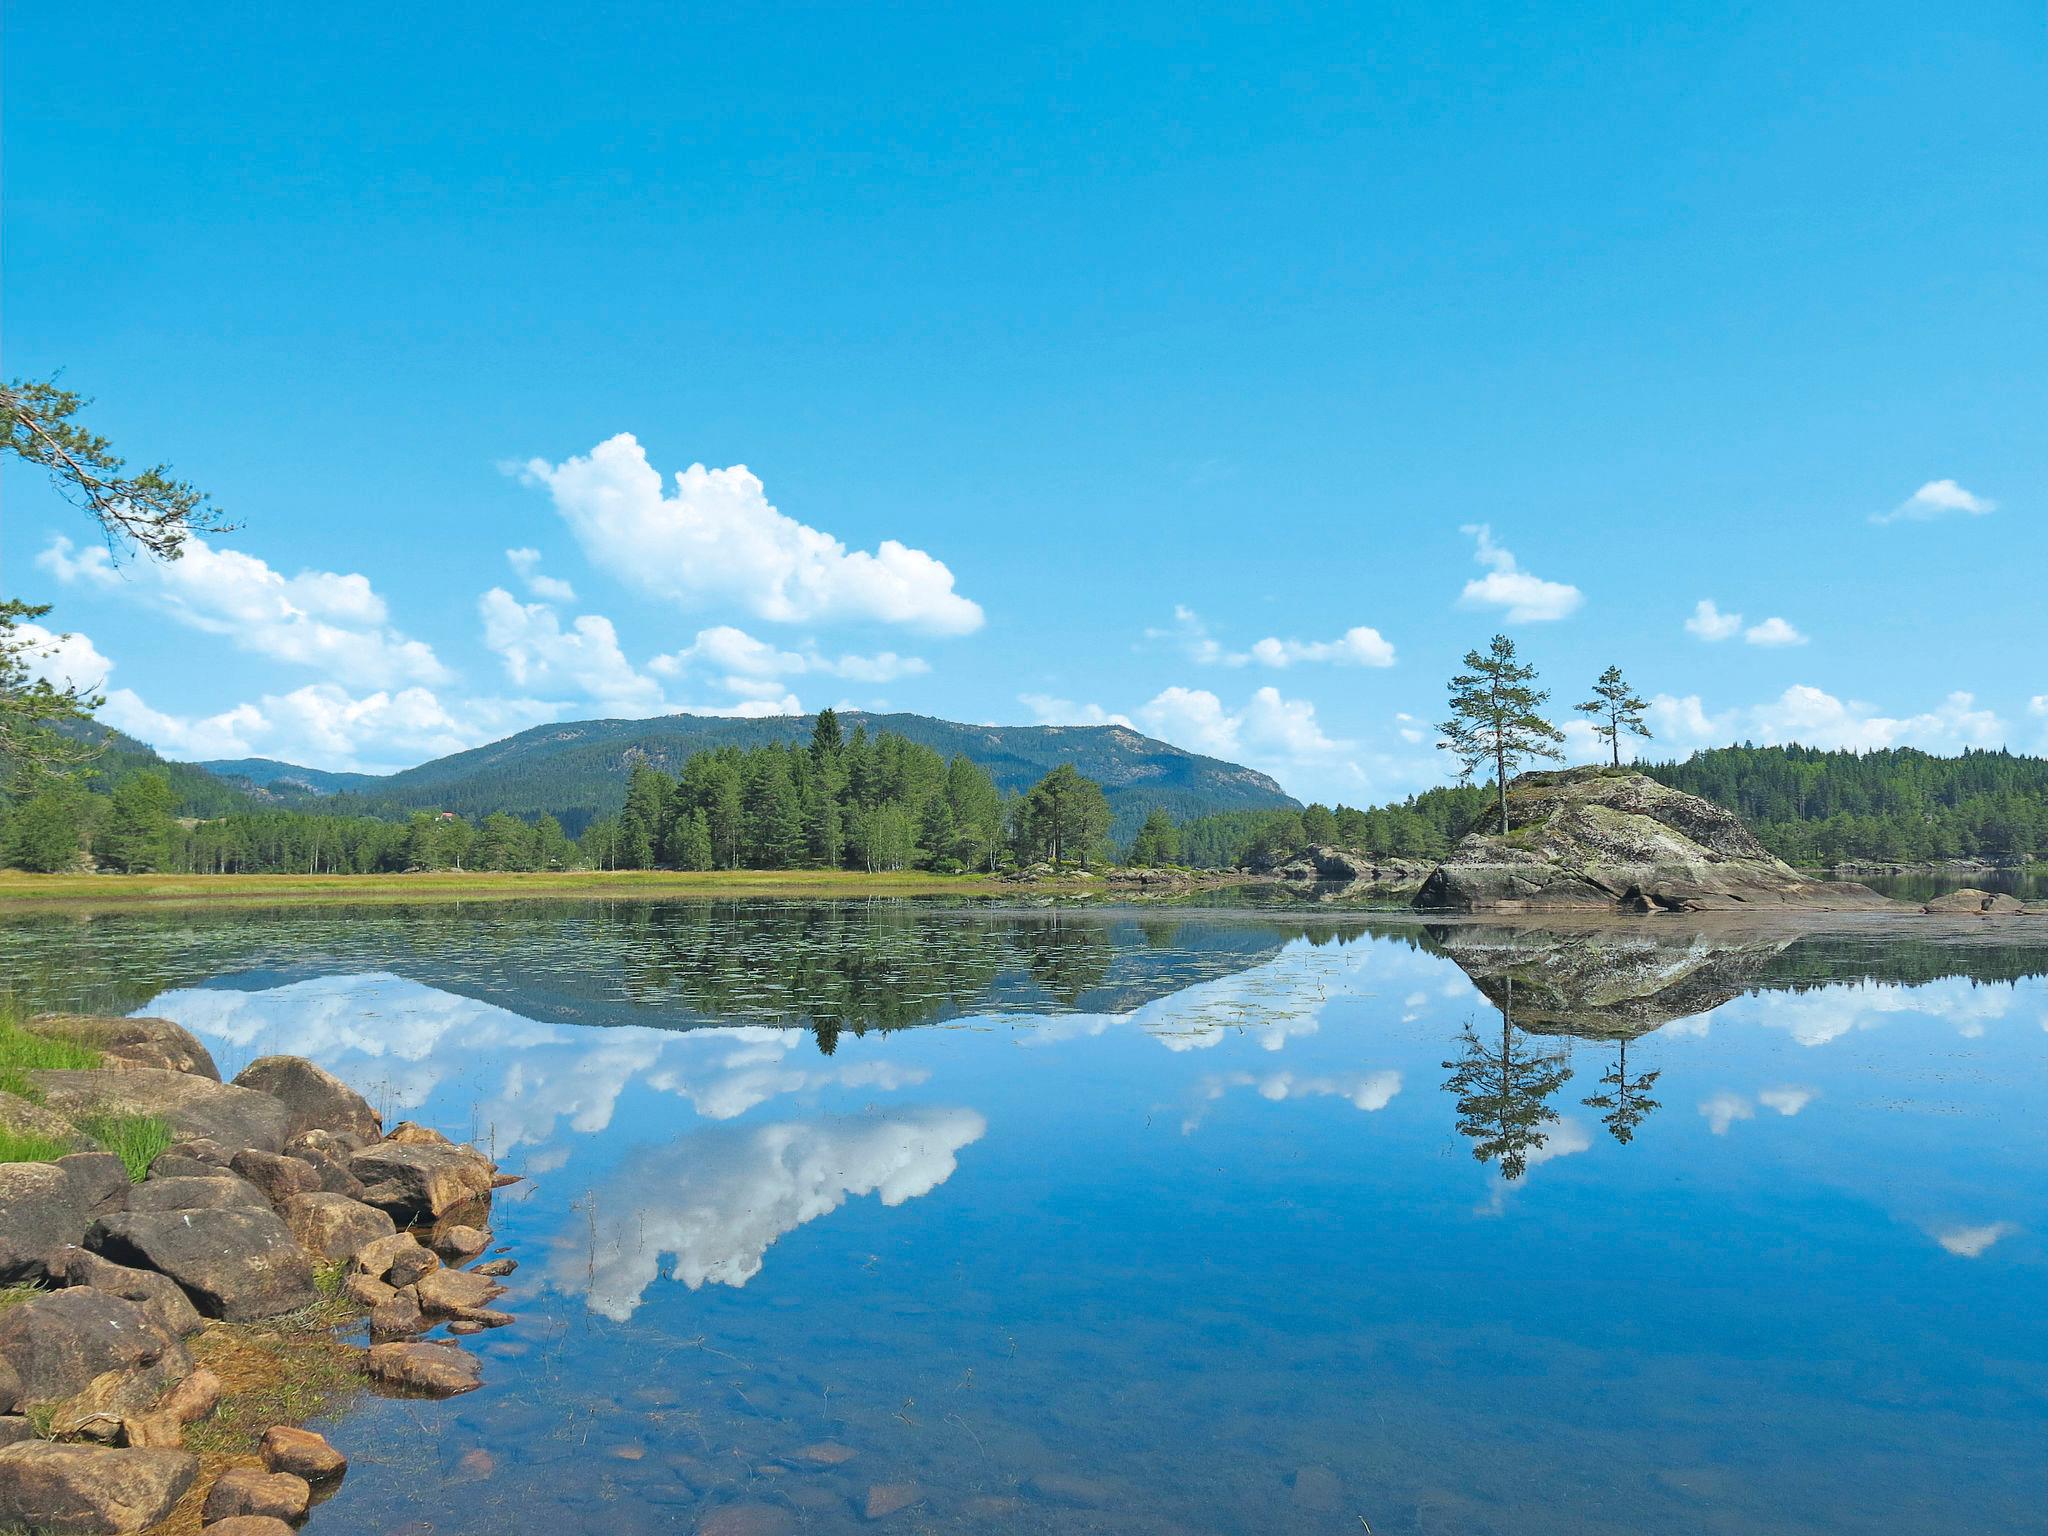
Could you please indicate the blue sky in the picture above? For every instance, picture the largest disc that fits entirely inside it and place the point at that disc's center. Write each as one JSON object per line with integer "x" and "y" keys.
{"x": 1163, "y": 364}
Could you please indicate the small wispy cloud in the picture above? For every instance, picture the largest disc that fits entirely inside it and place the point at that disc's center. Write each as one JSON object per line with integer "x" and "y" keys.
{"x": 1527, "y": 598}
{"x": 1937, "y": 498}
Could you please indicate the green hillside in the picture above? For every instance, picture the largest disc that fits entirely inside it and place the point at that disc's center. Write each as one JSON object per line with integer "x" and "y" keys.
{"x": 576, "y": 771}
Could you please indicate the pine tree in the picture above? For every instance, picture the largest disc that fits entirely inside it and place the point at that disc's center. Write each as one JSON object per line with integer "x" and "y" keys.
{"x": 1494, "y": 717}
{"x": 1157, "y": 842}
{"x": 1616, "y": 710}
{"x": 689, "y": 842}
{"x": 137, "y": 836}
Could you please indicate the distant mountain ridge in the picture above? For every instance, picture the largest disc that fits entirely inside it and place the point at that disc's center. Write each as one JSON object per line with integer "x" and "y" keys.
{"x": 576, "y": 770}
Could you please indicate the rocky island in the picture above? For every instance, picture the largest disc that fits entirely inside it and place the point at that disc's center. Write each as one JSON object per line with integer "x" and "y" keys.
{"x": 156, "y": 1223}
{"x": 1595, "y": 840}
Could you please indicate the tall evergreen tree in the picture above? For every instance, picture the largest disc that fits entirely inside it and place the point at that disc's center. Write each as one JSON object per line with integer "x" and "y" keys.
{"x": 1064, "y": 818}
{"x": 1616, "y": 711}
{"x": 1157, "y": 842}
{"x": 1495, "y": 716}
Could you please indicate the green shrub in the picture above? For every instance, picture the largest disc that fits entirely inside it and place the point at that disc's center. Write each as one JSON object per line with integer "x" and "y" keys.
{"x": 138, "y": 1140}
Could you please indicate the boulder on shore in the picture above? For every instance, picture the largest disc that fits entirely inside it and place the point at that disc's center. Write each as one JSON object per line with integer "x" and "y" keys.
{"x": 419, "y": 1181}
{"x": 124, "y": 1042}
{"x": 1971, "y": 902}
{"x": 1608, "y": 840}
{"x": 428, "y": 1370}
{"x": 193, "y": 1106}
{"x": 333, "y": 1226}
{"x": 90, "y": 1488}
{"x": 236, "y": 1265}
{"x": 57, "y": 1345}
{"x": 39, "y": 1213}
{"x": 1350, "y": 875}
{"x": 317, "y": 1099}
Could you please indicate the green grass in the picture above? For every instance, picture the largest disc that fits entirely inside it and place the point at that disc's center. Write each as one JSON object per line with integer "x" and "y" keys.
{"x": 19, "y": 1148}
{"x": 138, "y": 1140}
{"x": 22, "y": 1053}
{"x": 15, "y": 1295}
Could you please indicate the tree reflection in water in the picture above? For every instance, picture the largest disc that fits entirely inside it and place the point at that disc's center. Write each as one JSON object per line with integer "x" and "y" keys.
{"x": 1627, "y": 1102}
{"x": 1503, "y": 1093}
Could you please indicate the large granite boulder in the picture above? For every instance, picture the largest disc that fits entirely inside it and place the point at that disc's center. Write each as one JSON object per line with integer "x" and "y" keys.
{"x": 253, "y": 1491}
{"x": 19, "y": 1117}
{"x": 123, "y": 1042}
{"x": 1608, "y": 840}
{"x": 235, "y": 1264}
{"x": 99, "y": 1181}
{"x": 317, "y": 1098}
{"x": 39, "y": 1213}
{"x": 90, "y": 1488}
{"x": 157, "y": 1294}
{"x": 420, "y": 1181}
{"x": 278, "y": 1176}
{"x": 193, "y": 1106}
{"x": 59, "y": 1345}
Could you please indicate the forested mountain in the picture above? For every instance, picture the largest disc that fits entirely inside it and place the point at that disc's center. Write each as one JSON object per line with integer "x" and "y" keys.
{"x": 288, "y": 781}
{"x": 577, "y": 771}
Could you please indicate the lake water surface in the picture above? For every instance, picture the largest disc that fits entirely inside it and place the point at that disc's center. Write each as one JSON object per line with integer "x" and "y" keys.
{"x": 1080, "y": 1221}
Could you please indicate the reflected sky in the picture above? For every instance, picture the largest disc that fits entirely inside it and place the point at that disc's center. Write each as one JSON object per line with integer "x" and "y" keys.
{"x": 1463, "y": 1231}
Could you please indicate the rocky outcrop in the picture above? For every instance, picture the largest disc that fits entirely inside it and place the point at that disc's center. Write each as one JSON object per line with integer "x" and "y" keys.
{"x": 122, "y": 1042}
{"x": 260, "y": 1184}
{"x": 1971, "y": 902}
{"x": 90, "y": 1488}
{"x": 1605, "y": 840}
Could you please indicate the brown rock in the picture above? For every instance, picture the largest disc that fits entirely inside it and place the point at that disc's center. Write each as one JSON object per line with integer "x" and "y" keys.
{"x": 301, "y": 1453}
{"x": 87, "y": 1348}
{"x": 252, "y": 1491}
{"x": 475, "y": 1464}
{"x": 197, "y": 1194}
{"x": 278, "y": 1176}
{"x": 885, "y": 1499}
{"x": 39, "y": 1214}
{"x": 365, "y": 1292}
{"x": 398, "y": 1260}
{"x": 429, "y": 1370}
{"x": 99, "y": 1181}
{"x": 237, "y": 1265}
{"x": 158, "y": 1294}
{"x": 459, "y": 1243}
{"x": 132, "y": 1042}
{"x": 455, "y": 1292}
{"x": 333, "y": 1226}
{"x": 317, "y": 1099}
{"x": 90, "y": 1488}
{"x": 827, "y": 1453}
{"x": 412, "y": 1133}
{"x": 398, "y": 1317}
{"x": 249, "y": 1525}
{"x": 419, "y": 1182}
{"x": 192, "y": 1399}
{"x": 497, "y": 1269}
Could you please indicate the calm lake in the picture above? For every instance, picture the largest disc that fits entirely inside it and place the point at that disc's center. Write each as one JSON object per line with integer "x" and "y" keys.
{"x": 1088, "y": 1221}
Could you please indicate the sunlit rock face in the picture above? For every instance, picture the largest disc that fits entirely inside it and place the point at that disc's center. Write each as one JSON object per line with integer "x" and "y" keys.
{"x": 1606, "y": 982}
{"x": 1599, "y": 839}
{"x": 715, "y": 1201}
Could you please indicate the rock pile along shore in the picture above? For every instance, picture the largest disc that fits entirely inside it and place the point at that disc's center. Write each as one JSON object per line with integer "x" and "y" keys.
{"x": 276, "y": 1192}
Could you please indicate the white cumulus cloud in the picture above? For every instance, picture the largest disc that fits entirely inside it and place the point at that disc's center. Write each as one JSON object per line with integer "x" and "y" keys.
{"x": 1359, "y": 646}
{"x": 1974, "y": 1242}
{"x": 1773, "y": 631}
{"x": 716, "y": 537}
{"x": 1526, "y": 598}
{"x": 1937, "y": 498}
{"x": 538, "y": 653}
{"x": 1812, "y": 717}
{"x": 66, "y": 661}
{"x": 1048, "y": 709}
{"x": 1710, "y": 623}
{"x": 325, "y": 620}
